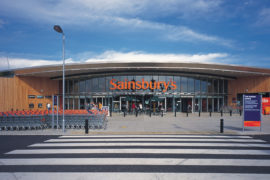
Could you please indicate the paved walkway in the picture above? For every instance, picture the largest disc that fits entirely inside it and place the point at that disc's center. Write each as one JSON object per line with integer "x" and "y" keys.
{"x": 168, "y": 124}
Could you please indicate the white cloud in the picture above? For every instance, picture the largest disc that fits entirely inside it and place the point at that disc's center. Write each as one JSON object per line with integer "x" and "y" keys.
{"x": 264, "y": 17}
{"x": 14, "y": 63}
{"x": 2, "y": 23}
{"x": 122, "y": 15}
{"x": 170, "y": 32}
{"x": 114, "y": 56}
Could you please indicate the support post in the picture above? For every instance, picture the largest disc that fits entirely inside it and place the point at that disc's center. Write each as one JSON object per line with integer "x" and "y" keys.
{"x": 86, "y": 127}
{"x": 221, "y": 125}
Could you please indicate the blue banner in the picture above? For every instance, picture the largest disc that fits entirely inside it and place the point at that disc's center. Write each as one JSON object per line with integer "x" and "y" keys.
{"x": 252, "y": 110}
{"x": 55, "y": 100}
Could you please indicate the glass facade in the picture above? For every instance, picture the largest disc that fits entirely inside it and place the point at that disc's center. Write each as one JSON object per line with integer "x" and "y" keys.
{"x": 173, "y": 93}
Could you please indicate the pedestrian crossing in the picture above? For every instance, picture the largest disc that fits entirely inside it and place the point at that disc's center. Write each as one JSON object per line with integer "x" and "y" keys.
{"x": 140, "y": 157}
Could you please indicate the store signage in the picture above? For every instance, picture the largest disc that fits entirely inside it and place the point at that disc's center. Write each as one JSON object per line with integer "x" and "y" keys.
{"x": 266, "y": 106}
{"x": 252, "y": 110}
{"x": 126, "y": 85}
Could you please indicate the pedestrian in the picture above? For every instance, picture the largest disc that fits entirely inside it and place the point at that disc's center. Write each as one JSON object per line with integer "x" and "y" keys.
{"x": 48, "y": 106}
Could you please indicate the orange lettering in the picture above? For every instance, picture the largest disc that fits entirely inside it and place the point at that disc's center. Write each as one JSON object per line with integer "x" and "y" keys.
{"x": 113, "y": 84}
{"x": 138, "y": 85}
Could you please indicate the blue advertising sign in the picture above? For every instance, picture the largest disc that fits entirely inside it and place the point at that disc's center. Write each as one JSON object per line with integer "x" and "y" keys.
{"x": 55, "y": 100}
{"x": 252, "y": 105}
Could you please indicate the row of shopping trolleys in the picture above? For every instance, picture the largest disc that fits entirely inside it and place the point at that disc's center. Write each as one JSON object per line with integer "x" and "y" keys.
{"x": 34, "y": 122}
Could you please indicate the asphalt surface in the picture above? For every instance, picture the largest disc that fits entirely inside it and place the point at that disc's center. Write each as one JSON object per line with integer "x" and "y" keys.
{"x": 14, "y": 148}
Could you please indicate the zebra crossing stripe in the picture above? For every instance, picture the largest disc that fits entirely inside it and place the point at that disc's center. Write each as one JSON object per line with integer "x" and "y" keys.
{"x": 130, "y": 176}
{"x": 135, "y": 161}
{"x": 149, "y": 144}
{"x": 156, "y": 139}
{"x": 158, "y": 136}
{"x": 147, "y": 151}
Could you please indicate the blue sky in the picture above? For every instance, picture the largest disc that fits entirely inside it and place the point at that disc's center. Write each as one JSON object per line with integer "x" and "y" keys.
{"x": 206, "y": 31}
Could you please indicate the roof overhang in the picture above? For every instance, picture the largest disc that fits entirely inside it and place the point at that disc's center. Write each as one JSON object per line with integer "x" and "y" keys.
{"x": 105, "y": 68}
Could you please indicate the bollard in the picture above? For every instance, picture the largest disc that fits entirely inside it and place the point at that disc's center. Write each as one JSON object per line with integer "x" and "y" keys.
{"x": 161, "y": 113}
{"x": 221, "y": 125}
{"x": 199, "y": 113}
{"x": 230, "y": 112}
{"x": 240, "y": 112}
{"x": 187, "y": 113}
{"x": 175, "y": 113}
{"x": 86, "y": 126}
{"x": 210, "y": 113}
{"x": 221, "y": 113}
{"x": 124, "y": 113}
{"x": 150, "y": 113}
{"x": 136, "y": 113}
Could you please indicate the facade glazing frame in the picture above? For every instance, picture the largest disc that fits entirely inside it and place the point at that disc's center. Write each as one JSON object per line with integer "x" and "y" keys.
{"x": 191, "y": 94}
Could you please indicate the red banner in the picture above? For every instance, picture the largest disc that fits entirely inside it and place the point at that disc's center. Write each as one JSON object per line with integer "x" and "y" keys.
{"x": 266, "y": 106}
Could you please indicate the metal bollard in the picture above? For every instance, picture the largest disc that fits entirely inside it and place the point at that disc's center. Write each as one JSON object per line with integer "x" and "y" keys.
{"x": 124, "y": 113}
{"x": 175, "y": 113}
{"x": 199, "y": 113}
{"x": 221, "y": 125}
{"x": 161, "y": 113}
{"x": 150, "y": 113}
{"x": 221, "y": 113}
{"x": 187, "y": 113}
{"x": 230, "y": 112}
{"x": 86, "y": 126}
{"x": 136, "y": 113}
{"x": 210, "y": 113}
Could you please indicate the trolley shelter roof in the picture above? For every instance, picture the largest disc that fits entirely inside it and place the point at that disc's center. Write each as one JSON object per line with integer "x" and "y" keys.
{"x": 104, "y": 68}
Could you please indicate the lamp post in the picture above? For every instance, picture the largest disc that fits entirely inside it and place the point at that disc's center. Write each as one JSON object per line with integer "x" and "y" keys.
{"x": 58, "y": 29}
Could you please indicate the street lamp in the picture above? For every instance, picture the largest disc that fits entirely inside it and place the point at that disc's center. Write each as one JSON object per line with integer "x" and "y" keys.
{"x": 58, "y": 29}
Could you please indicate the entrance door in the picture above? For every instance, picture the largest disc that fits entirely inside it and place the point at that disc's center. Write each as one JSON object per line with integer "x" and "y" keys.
{"x": 186, "y": 104}
{"x": 178, "y": 104}
{"x": 123, "y": 104}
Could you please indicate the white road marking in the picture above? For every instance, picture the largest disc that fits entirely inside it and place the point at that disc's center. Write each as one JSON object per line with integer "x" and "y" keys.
{"x": 156, "y": 139}
{"x": 147, "y": 144}
{"x": 148, "y": 151}
{"x": 157, "y": 136}
{"x": 135, "y": 161}
{"x": 130, "y": 176}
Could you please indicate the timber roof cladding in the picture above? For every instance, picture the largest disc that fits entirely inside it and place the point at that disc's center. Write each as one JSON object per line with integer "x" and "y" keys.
{"x": 98, "y": 68}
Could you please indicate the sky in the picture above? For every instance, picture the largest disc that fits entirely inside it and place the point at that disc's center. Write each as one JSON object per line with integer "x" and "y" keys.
{"x": 205, "y": 31}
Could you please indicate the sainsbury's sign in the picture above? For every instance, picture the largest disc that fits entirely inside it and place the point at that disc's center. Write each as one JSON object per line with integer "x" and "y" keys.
{"x": 126, "y": 85}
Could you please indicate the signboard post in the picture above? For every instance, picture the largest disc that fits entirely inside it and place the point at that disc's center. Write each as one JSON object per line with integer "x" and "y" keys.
{"x": 252, "y": 107}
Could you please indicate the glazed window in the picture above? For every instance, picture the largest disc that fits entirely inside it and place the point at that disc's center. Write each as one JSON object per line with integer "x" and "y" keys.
{"x": 31, "y": 105}
{"x": 31, "y": 96}
{"x": 40, "y": 105}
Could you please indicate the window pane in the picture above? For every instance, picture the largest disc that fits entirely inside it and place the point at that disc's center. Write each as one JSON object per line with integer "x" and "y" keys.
{"x": 101, "y": 84}
{"x": 210, "y": 86}
{"x": 88, "y": 86}
{"x": 203, "y": 86}
{"x": 215, "y": 86}
{"x": 197, "y": 86}
{"x": 177, "y": 80}
{"x": 220, "y": 83}
{"x": 82, "y": 86}
{"x": 184, "y": 84}
{"x": 70, "y": 86}
{"x": 190, "y": 85}
{"x": 95, "y": 85}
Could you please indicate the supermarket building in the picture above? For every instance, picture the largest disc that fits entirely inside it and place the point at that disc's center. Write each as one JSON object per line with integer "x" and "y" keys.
{"x": 174, "y": 86}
